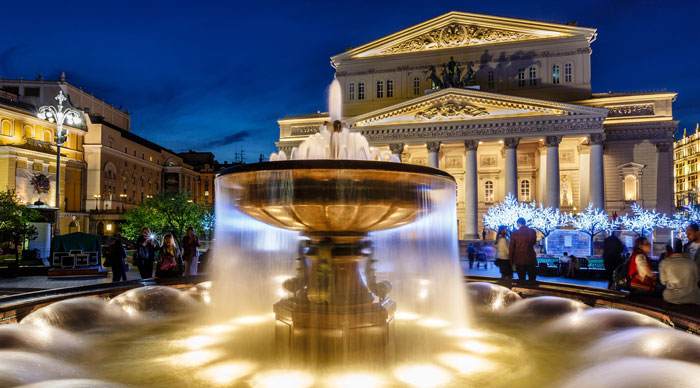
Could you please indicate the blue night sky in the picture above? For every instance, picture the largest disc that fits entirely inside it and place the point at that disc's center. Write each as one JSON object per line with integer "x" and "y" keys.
{"x": 216, "y": 75}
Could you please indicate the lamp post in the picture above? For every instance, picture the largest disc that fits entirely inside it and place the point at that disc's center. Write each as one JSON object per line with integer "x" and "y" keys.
{"x": 59, "y": 115}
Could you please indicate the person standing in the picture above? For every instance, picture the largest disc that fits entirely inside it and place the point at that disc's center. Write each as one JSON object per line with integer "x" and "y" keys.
{"x": 190, "y": 247}
{"x": 612, "y": 256}
{"x": 692, "y": 248}
{"x": 483, "y": 234}
{"x": 145, "y": 254}
{"x": 117, "y": 259}
{"x": 642, "y": 278}
{"x": 680, "y": 276}
{"x": 169, "y": 259}
{"x": 522, "y": 251}
{"x": 502, "y": 254}
{"x": 471, "y": 254}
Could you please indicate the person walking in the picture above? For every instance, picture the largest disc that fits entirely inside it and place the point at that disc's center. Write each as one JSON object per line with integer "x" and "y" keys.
{"x": 145, "y": 254}
{"x": 471, "y": 254}
{"x": 169, "y": 259}
{"x": 642, "y": 278}
{"x": 117, "y": 260}
{"x": 190, "y": 248}
{"x": 680, "y": 276}
{"x": 612, "y": 256}
{"x": 522, "y": 250}
{"x": 503, "y": 262}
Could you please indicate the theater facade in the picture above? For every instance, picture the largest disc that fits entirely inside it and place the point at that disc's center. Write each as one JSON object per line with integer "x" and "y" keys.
{"x": 505, "y": 106}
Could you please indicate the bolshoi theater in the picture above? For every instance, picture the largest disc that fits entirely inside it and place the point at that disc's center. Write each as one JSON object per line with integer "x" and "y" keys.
{"x": 505, "y": 106}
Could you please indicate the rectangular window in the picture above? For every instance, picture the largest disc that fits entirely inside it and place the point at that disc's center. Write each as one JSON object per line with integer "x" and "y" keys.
{"x": 31, "y": 92}
{"x": 361, "y": 91}
{"x": 555, "y": 74}
{"x": 380, "y": 89}
{"x": 533, "y": 76}
{"x": 416, "y": 86}
{"x": 521, "y": 77}
{"x": 568, "y": 73}
{"x": 126, "y": 150}
{"x": 389, "y": 88}
{"x": 351, "y": 91}
{"x": 491, "y": 79}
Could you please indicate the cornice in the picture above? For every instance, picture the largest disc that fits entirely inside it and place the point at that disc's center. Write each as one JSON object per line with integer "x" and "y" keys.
{"x": 120, "y": 155}
{"x": 649, "y": 131}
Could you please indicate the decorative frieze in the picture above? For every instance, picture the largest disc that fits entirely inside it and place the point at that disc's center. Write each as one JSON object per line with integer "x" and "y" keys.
{"x": 660, "y": 132}
{"x": 566, "y": 156}
{"x": 631, "y": 110}
{"x": 450, "y": 111}
{"x": 304, "y": 131}
{"x": 453, "y": 162}
{"x": 488, "y": 161}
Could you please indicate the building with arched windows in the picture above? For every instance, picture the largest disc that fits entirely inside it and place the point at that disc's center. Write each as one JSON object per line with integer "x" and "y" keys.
{"x": 505, "y": 106}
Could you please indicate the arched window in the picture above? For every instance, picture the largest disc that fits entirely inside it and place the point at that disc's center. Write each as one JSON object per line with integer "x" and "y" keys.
{"x": 361, "y": 91}
{"x": 47, "y": 136}
{"x": 488, "y": 191}
{"x": 7, "y": 128}
{"x": 380, "y": 89}
{"x": 533, "y": 76}
{"x": 416, "y": 86}
{"x": 525, "y": 190}
{"x": 491, "y": 79}
{"x": 351, "y": 91}
{"x": 389, "y": 88}
{"x": 521, "y": 77}
{"x": 630, "y": 188}
{"x": 555, "y": 74}
{"x": 568, "y": 73}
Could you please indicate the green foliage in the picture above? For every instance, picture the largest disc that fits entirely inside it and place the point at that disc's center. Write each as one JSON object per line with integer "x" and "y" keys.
{"x": 15, "y": 219}
{"x": 168, "y": 212}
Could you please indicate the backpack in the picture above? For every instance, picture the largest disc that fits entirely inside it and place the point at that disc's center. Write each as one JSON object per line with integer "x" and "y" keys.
{"x": 621, "y": 275}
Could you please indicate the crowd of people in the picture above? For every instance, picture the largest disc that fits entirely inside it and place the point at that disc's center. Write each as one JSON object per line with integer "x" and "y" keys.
{"x": 167, "y": 257}
{"x": 677, "y": 280}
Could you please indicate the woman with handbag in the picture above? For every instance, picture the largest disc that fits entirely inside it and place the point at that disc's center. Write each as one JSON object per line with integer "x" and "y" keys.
{"x": 642, "y": 278}
{"x": 169, "y": 260}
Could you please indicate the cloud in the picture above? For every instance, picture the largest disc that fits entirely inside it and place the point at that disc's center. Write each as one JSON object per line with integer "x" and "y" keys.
{"x": 230, "y": 139}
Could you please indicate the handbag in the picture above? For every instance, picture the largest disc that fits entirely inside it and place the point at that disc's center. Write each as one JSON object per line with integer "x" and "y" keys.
{"x": 167, "y": 263}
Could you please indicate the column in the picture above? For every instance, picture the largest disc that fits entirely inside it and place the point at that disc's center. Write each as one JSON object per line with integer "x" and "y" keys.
{"x": 511, "y": 146}
{"x": 551, "y": 198}
{"x": 396, "y": 149}
{"x": 596, "y": 179}
{"x": 433, "y": 158}
{"x": 664, "y": 178}
{"x": 471, "y": 210}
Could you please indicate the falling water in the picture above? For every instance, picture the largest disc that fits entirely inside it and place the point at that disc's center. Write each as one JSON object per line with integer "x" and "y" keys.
{"x": 335, "y": 101}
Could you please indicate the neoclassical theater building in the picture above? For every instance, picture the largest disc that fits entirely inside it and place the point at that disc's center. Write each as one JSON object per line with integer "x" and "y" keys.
{"x": 505, "y": 106}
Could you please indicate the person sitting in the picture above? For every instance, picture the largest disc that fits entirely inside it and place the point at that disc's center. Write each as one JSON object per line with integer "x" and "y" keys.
{"x": 642, "y": 278}
{"x": 680, "y": 276}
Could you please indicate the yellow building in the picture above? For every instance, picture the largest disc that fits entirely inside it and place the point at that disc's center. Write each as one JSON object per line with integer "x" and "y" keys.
{"x": 686, "y": 152}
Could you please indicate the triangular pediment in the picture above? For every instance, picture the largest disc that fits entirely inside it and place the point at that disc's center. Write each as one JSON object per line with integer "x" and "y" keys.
{"x": 460, "y": 29}
{"x": 468, "y": 104}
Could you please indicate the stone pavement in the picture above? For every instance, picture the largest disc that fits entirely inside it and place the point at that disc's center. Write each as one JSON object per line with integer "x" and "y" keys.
{"x": 492, "y": 271}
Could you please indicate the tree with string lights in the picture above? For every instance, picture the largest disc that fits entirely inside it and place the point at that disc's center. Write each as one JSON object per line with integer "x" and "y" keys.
{"x": 682, "y": 219}
{"x": 507, "y": 213}
{"x": 643, "y": 220}
{"x": 547, "y": 219}
{"x": 591, "y": 221}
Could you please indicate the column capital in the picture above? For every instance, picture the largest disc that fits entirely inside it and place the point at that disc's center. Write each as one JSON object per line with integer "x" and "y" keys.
{"x": 471, "y": 145}
{"x": 396, "y": 148}
{"x": 596, "y": 138}
{"x": 433, "y": 146}
{"x": 511, "y": 142}
{"x": 664, "y": 147}
{"x": 552, "y": 141}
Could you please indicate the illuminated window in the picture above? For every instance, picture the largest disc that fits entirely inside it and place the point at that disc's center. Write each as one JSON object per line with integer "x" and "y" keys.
{"x": 630, "y": 183}
{"x": 533, "y": 76}
{"x": 389, "y": 88}
{"x": 361, "y": 91}
{"x": 521, "y": 77}
{"x": 525, "y": 190}
{"x": 351, "y": 91}
{"x": 555, "y": 74}
{"x": 488, "y": 191}
{"x": 491, "y": 79}
{"x": 568, "y": 73}
{"x": 380, "y": 89}
{"x": 416, "y": 86}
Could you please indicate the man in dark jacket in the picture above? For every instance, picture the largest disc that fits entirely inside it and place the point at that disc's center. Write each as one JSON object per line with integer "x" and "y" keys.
{"x": 522, "y": 251}
{"x": 612, "y": 256}
{"x": 145, "y": 254}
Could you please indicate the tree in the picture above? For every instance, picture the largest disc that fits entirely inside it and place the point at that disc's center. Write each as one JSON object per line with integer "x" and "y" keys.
{"x": 546, "y": 220}
{"x": 682, "y": 219}
{"x": 592, "y": 222}
{"x": 507, "y": 213}
{"x": 644, "y": 220}
{"x": 166, "y": 212}
{"x": 15, "y": 221}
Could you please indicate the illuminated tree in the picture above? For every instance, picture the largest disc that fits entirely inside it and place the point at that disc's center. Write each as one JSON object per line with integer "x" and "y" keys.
{"x": 591, "y": 221}
{"x": 507, "y": 213}
{"x": 682, "y": 219}
{"x": 546, "y": 219}
{"x": 644, "y": 220}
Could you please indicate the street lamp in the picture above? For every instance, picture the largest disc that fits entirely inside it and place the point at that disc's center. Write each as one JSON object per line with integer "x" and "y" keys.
{"x": 59, "y": 115}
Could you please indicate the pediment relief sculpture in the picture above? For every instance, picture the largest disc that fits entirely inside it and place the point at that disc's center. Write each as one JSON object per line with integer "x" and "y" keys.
{"x": 455, "y": 35}
{"x": 450, "y": 111}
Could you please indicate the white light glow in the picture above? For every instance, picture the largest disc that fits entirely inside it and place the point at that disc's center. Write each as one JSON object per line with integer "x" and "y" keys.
{"x": 217, "y": 329}
{"x": 423, "y": 375}
{"x": 283, "y": 379}
{"x": 466, "y": 363}
{"x": 355, "y": 380}
{"x": 464, "y": 333}
{"x": 433, "y": 322}
{"x": 251, "y": 319}
{"x": 479, "y": 347}
{"x": 406, "y": 316}
{"x": 226, "y": 373}
{"x": 191, "y": 359}
{"x": 197, "y": 342}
